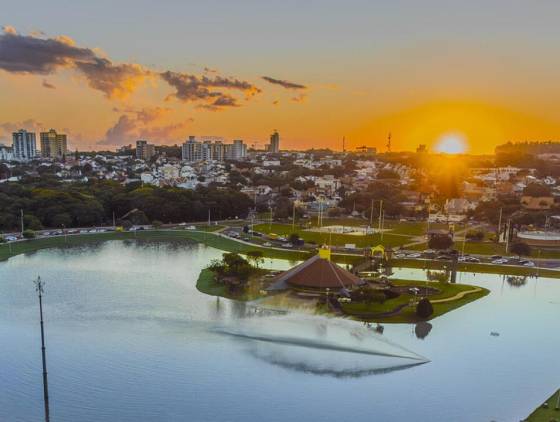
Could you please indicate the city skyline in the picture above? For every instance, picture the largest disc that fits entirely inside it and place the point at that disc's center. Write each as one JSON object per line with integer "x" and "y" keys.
{"x": 424, "y": 73}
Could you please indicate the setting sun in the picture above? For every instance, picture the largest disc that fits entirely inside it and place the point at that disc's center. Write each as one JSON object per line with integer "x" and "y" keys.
{"x": 451, "y": 144}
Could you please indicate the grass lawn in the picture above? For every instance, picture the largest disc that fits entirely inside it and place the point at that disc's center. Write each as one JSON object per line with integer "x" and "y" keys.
{"x": 334, "y": 238}
{"x": 491, "y": 248}
{"x": 475, "y": 268}
{"x": 207, "y": 284}
{"x": 542, "y": 414}
{"x": 371, "y": 312}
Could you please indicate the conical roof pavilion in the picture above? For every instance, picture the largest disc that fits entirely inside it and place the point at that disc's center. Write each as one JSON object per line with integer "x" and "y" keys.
{"x": 316, "y": 273}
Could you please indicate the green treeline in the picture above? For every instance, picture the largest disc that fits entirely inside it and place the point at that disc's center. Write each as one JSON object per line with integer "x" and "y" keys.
{"x": 48, "y": 203}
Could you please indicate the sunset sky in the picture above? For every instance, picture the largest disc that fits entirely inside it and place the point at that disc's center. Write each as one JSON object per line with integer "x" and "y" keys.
{"x": 109, "y": 72}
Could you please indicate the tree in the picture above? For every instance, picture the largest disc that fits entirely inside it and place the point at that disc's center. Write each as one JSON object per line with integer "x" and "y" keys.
{"x": 157, "y": 224}
{"x": 535, "y": 190}
{"x": 387, "y": 174}
{"x": 256, "y": 257}
{"x": 521, "y": 249}
{"x": 424, "y": 308}
{"x": 236, "y": 266}
{"x": 440, "y": 241}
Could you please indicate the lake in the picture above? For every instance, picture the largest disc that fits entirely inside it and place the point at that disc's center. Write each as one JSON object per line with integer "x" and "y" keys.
{"x": 129, "y": 338}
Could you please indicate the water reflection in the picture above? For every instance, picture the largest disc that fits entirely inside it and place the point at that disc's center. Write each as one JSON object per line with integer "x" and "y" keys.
{"x": 422, "y": 329}
{"x": 516, "y": 281}
{"x": 288, "y": 358}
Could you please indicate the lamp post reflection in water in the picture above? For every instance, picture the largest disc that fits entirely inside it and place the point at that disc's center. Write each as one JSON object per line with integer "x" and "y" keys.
{"x": 40, "y": 288}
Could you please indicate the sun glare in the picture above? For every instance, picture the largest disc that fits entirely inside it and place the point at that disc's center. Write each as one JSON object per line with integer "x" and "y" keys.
{"x": 451, "y": 144}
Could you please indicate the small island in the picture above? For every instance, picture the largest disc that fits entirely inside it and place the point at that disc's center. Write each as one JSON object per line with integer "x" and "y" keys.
{"x": 322, "y": 286}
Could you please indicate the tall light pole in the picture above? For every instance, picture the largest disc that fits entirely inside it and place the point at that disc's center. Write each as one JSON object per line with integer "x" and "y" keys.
{"x": 499, "y": 227}
{"x": 380, "y": 213}
{"x": 40, "y": 288}
{"x": 21, "y": 213}
{"x": 294, "y": 218}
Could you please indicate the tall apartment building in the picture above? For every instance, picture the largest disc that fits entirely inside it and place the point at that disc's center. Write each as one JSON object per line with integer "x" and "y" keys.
{"x": 53, "y": 145}
{"x": 193, "y": 150}
{"x": 144, "y": 150}
{"x": 237, "y": 150}
{"x": 24, "y": 145}
{"x": 274, "y": 142}
{"x": 6, "y": 153}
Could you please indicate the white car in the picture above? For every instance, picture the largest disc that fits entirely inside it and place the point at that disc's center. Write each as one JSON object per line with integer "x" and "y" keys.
{"x": 267, "y": 244}
{"x": 529, "y": 264}
{"x": 10, "y": 238}
{"x": 499, "y": 261}
{"x": 414, "y": 255}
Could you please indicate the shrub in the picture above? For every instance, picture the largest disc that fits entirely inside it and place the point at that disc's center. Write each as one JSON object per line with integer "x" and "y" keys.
{"x": 424, "y": 308}
{"x": 477, "y": 235}
{"x": 28, "y": 234}
{"x": 334, "y": 212}
{"x": 391, "y": 294}
{"x": 157, "y": 224}
{"x": 294, "y": 238}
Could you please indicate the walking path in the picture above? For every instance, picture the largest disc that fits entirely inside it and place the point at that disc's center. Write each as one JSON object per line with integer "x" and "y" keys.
{"x": 458, "y": 296}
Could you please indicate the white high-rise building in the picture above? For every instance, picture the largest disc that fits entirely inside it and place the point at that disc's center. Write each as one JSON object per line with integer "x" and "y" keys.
{"x": 6, "y": 153}
{"x": 24, "y": 145}
{"x": 193, "y": 150}
{"x": 274, "y": 142}
{"x": 237, "y": 150}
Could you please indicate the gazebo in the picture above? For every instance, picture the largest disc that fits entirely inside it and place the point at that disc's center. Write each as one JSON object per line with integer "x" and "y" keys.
{"x": 316, "y": 273}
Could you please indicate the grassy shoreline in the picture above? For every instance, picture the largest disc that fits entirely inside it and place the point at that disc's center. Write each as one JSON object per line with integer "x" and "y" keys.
{"x": 546, "y": 414}
{"x": 8, "y": 250}
{"x": 442, "y": 303}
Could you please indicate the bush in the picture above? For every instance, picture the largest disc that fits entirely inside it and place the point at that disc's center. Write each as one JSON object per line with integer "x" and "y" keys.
{"x": 28, "y": 234}
{"x": 424, "y": 308}
{"x": 477, "y": 235}
{"x": 294, "y": 238}
{"x": 334, "y": 212}
{"x": 440, "y": 242}
{"x": 367, "y": 295}
{"x": 157, "y": 224}
{"x": 521, "y": 248}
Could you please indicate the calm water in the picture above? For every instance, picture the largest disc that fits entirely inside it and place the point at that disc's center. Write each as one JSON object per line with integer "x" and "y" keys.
{"x": 129, "y": 338}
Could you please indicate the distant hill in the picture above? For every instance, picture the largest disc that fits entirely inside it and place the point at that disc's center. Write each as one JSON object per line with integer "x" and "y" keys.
{"x": 533, "y": 148}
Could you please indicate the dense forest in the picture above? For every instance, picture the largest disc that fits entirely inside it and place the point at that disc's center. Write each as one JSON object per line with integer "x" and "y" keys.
{"x": 48, "y": 203}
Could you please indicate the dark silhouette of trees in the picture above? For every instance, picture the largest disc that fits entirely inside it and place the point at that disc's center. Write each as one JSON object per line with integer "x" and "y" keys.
{"x": 521, "y": 249}
{"x": 424, "y": 309}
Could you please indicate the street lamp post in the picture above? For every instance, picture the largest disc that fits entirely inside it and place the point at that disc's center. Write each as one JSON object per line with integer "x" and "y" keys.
{"x": 40, "y": 288}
